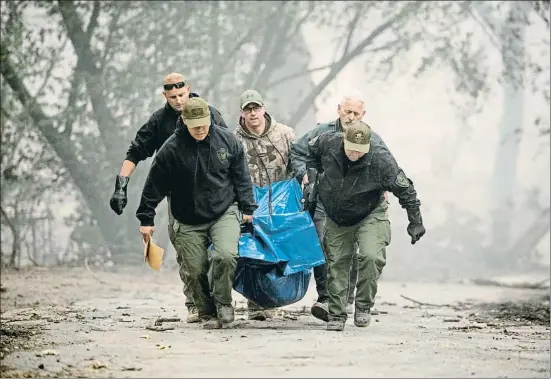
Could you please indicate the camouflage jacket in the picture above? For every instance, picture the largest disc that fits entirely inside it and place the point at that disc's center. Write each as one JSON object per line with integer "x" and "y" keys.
{"x": 268, "y": 154}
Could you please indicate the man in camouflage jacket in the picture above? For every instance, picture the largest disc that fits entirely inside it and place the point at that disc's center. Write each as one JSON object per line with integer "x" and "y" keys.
{"x": 267, "y": 146}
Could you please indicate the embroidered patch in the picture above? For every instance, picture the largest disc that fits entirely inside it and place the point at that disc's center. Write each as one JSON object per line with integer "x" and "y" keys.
{"x": 198, "y": 112}
{"x": 222, "y": 155}
{"x": 402, "y": 180}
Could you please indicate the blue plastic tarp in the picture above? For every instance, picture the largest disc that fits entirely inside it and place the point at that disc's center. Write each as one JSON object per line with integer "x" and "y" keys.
{"x": 276, "y": 260}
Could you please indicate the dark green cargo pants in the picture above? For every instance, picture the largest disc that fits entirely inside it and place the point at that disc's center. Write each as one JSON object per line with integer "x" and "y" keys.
{"x": 320, "y": 272}
{"x": 187, "y": 291}
{"x": 191, "y": 243}
{"x": 372, "y": 236}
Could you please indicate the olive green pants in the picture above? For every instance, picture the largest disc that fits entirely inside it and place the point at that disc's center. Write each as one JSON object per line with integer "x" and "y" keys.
{"x": 320, "y": 272}
{"x": 191, "y": 243}
{"x": 372, "y": 236}
{"x": 187, "y": 291}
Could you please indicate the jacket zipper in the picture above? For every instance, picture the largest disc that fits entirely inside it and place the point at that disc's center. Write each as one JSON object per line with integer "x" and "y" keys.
{"x": 195, "y": 177}
{"x": 340, "y": 189}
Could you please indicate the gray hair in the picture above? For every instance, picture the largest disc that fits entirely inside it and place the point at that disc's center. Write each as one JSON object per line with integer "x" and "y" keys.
{"x": 352, "y": 94}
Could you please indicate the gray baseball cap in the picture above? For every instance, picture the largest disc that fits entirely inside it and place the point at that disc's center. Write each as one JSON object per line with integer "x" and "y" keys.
{"x": 250, "y": 96}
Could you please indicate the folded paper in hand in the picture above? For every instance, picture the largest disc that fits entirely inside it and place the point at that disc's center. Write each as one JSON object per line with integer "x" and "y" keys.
{"x": 153, "y": 254}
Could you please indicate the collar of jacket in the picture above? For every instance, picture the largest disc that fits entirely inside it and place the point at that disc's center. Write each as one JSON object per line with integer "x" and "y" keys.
{"x": 338, "y": 125}
{"x": 171, "y": 110}
{"x": 242, "y": 129}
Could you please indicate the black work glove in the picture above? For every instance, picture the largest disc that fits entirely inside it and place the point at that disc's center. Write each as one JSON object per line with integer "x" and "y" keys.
{"x": 415, "y": 228}
{"x": 299, "y": 177}
{"x": 118, "y": 199}
{"x": 247, "y": 227}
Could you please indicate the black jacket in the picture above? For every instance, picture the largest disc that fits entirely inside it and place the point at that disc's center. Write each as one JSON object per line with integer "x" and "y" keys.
{"x": 203, "y": 178}
{"x": 158, "y": 128}
{"x": 350, "y": 191}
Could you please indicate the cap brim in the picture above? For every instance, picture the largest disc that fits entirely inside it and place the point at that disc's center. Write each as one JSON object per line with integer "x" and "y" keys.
{"x": 197, "y": 122}
{"x": 357, "y": 147}
{"x": 251, "y": 102}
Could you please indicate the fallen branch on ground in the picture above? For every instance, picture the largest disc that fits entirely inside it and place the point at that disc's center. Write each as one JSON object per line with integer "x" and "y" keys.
{"x": 159, "y": 328}
{"x": 424, "y": 304}
{"x": 466, "y": 327}
{"x": 160, "y": 320}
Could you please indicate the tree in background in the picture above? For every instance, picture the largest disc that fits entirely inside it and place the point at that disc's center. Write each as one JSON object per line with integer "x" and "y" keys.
{"x": 87, "y": 74}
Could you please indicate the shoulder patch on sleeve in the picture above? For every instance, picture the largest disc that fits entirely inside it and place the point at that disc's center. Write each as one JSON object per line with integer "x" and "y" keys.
{"x": 402, "y": 180}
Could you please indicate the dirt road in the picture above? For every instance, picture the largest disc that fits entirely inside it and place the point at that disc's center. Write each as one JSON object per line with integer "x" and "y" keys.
{"x": 75, "y": 323}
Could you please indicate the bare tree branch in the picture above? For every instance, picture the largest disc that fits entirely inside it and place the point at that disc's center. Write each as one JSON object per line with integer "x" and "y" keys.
{"x": 352, "y": 29}
{"x": 93, "y": 20}
{"x": 113, "y": 26}
{"x": 298, "y": 74}
{"x": 50, "y": 69}
{"x": 70, "y": 111}
{"x": 542, "y": 9}
{"x": 92, "y": 75}
{"x": 215, "y": 43}
{"x": 484, "y": 24}
{"x": 15, "y": 242}
{"x": 271, "y": 52}
{"x": 311, "y": 8}
{"x": 531, "y": 236}
{"x": 63, "y": 148}
{"x": 345, "y": 59}
{"x": 216, "y": 75}
{"x": 309, "y": 71}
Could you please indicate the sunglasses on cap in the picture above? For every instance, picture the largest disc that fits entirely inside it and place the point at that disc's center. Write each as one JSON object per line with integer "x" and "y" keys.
{"x": 168, "y": 87}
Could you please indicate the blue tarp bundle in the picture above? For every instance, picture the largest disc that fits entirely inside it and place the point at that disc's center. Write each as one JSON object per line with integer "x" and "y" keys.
{"x": 276, "y": 260}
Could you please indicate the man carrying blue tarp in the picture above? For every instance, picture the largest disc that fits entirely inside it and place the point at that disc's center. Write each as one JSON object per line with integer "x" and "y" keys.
{"x": 267, "y": 145}
{"x": 351, "y": 108}
{"x": 203, "y": 168}
{"x": 356, "y": 175}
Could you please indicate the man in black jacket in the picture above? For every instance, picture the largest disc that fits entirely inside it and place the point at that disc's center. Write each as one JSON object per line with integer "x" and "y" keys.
{"x": 204, "y": 169}
{"x": 355, "y": 176}
{"x": 351, "y": 108}
{"x": 149, "y": 139}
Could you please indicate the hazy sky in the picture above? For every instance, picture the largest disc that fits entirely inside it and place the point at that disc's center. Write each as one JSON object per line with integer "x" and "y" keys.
{"x": 420, "y": 126}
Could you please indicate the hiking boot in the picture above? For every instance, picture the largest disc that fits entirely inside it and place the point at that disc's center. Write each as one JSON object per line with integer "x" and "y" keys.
{"x": 210, "y": 322}
{"x": 335, "y": 325}
{"x": 192, "y": 315}
{"x": 362, "y": 317}
{"x": 320, "y": 311}
{"x": 225, "y": 313}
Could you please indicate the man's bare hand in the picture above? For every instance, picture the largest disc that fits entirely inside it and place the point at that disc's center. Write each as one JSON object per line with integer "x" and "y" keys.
{"x": 247, "y": 218}
{"x": 146, "y": 232}
{"x": 305, "y": 181}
